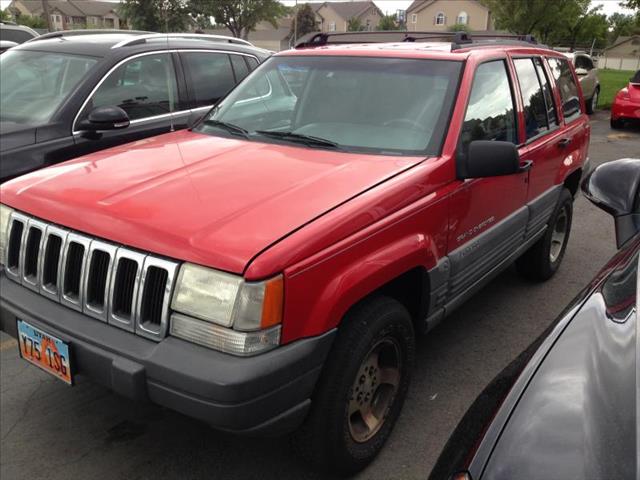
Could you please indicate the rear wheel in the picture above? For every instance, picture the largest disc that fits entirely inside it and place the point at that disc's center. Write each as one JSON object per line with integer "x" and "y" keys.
{"x": 592, "y": 103}
{"x": 361, "y": 391}
{"x": 617, "y": 123}
{"x": 543, "y": 259}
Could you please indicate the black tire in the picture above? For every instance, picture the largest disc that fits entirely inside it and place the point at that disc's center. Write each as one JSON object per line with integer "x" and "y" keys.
{"x": 326, "y": 439}
{"x": 538, "y": 263}
{"x": 592, "y": 102}
{"x": 617, "y": 124}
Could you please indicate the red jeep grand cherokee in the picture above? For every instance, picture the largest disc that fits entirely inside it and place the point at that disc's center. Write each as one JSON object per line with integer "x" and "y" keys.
{"x": 266, "y": 271}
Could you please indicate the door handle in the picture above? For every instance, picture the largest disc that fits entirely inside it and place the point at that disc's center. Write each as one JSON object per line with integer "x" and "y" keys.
{"x": 525, "y": 166}
{"x": 564, "y": 143}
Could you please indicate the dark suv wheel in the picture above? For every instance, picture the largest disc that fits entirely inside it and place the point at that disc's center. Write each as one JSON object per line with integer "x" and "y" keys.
{"x": 362, "y": 388}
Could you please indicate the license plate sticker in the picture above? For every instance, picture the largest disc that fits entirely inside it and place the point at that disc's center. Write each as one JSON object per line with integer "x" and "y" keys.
{"x": 45, "y": 351}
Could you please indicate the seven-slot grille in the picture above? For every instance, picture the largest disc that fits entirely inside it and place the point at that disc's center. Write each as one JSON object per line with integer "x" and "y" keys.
{"x": 114, "y": 284}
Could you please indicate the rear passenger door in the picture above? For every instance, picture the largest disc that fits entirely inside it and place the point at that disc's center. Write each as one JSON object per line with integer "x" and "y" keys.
{"x": 145, "y": 86}
{"x": 210, "y": 75}
{"x": 488, "y": 215}
{"x": 545, "y": 143}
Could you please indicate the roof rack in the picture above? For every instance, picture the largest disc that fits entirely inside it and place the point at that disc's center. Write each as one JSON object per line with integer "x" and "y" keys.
{"x": 191, "y": 36}
{"x": 457, "y": 39}
{"x": 77, "y": 33}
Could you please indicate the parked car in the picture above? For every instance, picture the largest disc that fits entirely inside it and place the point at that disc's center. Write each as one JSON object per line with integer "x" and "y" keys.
{"x": 6, "y": 45}
{"x": 16, "y": 33}
{"x": 588, "y": 76}
{"x": 266, "y": 271}
{"x": 65, "y": 94}
{"x": 566, "y": 407}
{"x": 626, "y": 104}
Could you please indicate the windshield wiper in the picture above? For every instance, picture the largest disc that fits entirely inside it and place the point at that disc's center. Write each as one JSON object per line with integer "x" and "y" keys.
{"x": 299, "y": 137}
{"x": 229, "y": 127}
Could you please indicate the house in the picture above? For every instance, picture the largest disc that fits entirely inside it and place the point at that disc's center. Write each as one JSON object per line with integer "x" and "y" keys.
{"x": 72, "y": 14}
{"x": 423, "y": 15}
{"x": 264, "y": 36}
{"x": 335, "y": 16}
{"x": 623, "y": 54}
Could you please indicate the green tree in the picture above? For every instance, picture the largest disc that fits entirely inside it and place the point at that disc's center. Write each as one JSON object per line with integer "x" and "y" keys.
{"x": 305, "y": 22}
{"x": 31, "y": 21}
{"x": 459, "y": 27}
{"x": 388, "y": 22}
{"x": 5, "y": 16}
{"x": 633, "y": 4}
{"x": 622, "y": 24}
{"x": 156, "y": 15}
{"x": 354, "y": 24}
{"x": 240, "y": 16}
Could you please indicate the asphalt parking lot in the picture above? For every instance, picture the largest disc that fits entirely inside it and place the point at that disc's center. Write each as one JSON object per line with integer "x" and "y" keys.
{"x": 52, "y": 431}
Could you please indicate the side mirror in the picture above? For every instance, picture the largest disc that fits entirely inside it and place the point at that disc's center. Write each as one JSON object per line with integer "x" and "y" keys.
{"x": 615, "y": 188}
{"x": 105, "y": 118}
{"x": 486, "y": 158}
{"x": 581, "y": 72}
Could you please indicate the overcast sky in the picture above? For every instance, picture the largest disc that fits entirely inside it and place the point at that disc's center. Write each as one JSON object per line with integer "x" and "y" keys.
{"x": 390, "y": 6}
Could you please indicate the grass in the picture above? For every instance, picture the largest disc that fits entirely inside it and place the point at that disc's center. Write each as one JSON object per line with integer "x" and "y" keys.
{"x": 610, "y": 82}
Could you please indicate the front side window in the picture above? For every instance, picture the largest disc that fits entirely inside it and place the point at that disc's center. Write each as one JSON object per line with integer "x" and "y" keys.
{"x": 143, "y": 87}
{"x": 490, "y": 114}
{"x": 15, "y": 35}
{"x": 211, "y": 76}
{"x": 567, "y": 86}
{"x": 378, "y": 105}
{"x": 34, "y": 84}
{"x": 535, "y": 110}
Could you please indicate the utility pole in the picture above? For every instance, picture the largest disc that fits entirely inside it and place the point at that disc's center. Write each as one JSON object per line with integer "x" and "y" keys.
{"x": 295, "y": 24}
{"x": 45, "y": 8}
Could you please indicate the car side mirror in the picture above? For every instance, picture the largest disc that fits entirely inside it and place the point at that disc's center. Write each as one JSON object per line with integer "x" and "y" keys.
{"x": 486, "y": 158}
{"x": 581, "y": 72}
{"x": 105, "y": 118}
{"x": 615, "y": 188}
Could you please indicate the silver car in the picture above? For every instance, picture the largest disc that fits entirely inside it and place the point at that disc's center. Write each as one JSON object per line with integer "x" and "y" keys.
{"x": 588, "y": 76}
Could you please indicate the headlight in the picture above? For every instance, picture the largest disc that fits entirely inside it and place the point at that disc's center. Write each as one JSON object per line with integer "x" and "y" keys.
{"x": 248, "y": 312}
{"x": 5, "y": 213}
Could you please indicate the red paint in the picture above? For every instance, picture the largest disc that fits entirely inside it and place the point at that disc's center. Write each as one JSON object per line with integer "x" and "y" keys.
{"x": 626, "y": 103}
{"x": 338, "y": 225}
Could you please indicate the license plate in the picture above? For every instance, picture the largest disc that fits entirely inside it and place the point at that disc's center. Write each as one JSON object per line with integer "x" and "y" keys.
{"x": 45, "y": 351}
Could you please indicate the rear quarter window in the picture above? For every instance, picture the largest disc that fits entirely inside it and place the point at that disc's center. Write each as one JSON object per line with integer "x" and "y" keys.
{"x": 567, "y": 87}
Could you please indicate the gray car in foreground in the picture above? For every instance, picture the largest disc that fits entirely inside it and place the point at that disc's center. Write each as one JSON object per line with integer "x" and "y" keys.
{"x": 566, "y": 408}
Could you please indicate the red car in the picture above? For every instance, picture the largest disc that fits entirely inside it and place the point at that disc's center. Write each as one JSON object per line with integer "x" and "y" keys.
{"x": 267, "y": 271}
{"x": 626, "y": 104}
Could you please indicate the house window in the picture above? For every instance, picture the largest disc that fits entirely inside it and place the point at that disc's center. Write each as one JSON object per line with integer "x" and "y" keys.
{"x": 441, "y": 19}
{"x": 332, "y": 26}
{"x": 414, "y": 18}
{"x": 368, "y": 25}
{"x": 463, "y": 18}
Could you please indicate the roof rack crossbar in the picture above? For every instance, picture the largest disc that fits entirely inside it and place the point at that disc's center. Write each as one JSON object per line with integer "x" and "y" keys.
{"x": 193, "y": 36}
{"x": 458, "y": 39}
{"x": 77, "y": 33}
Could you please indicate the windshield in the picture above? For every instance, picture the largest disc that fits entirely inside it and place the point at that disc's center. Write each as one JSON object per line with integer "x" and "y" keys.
{"x": 34, "y": 84}
{"x": 388, "y": 106}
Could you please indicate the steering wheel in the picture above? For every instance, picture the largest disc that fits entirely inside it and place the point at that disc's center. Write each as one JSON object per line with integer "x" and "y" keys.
{"x": 405, "y": 121}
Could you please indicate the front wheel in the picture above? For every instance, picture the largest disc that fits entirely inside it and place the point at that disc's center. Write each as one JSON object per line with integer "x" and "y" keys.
{"x": 362, "y": 389}
{"x": 543, "y": 259}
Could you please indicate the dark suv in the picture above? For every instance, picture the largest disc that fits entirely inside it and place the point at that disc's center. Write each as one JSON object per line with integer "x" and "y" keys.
{"x": 66, "y": 94}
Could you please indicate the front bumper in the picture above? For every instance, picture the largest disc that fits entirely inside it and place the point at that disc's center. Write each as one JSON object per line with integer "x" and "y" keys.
{"x": 268, "y": 394}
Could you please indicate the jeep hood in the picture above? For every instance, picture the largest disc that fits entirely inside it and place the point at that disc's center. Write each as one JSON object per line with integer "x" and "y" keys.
{"x": 209, "y": 200}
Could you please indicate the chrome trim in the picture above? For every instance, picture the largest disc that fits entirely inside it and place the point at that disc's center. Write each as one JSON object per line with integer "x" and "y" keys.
{"x": 87, "y": 308}
{"x": 15, "y": 273}
{"x": 143, "y": 328}
{"x": 194, "y": 36}
{"x": 66, "y": 300}
{"x": 156, "y": 117}
{"x": 33, "y": 284}
{"x": 62, "y": 234}
{"x": 114, "y": 319}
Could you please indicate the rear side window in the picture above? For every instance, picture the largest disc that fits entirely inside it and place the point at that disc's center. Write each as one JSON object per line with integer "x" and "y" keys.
{"x": 14, "y": 35}
{"x": 535, "y": 110}
{"x": 490, "y": 113}
{"x": 253, "y": 63}
{"x": 239, "y": 67}
{"x": 211, "y": 76}
{"x": 549, "y": 101}
{"x": 584, "y": 62}
{"x": 567, "y": 87}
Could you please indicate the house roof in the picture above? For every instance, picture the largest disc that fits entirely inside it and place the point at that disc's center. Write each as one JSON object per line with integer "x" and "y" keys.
{"x": 71, "y": 8}
{"x": 346, "y": 10}
{"x": 272, "y": 34}
{"x": 622, "y": 39}
{"x": 91, "y": 7}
